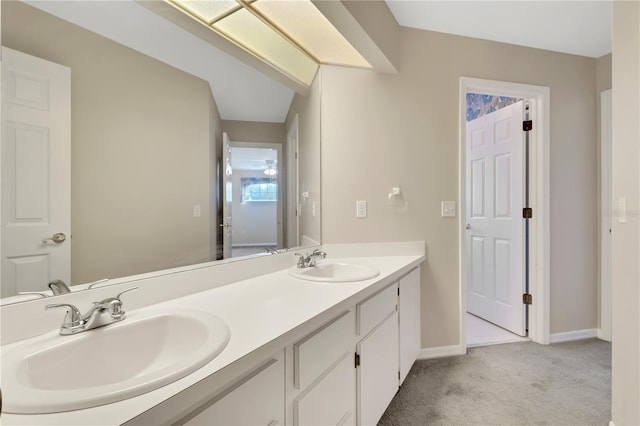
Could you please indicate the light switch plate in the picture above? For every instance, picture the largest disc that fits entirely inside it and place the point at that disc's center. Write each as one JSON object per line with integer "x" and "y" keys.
{"x": 448, "y": 209}
{"x": 361, "y": 209}
{"x": 196, "y": 211}
{"x": 622, "y": 210}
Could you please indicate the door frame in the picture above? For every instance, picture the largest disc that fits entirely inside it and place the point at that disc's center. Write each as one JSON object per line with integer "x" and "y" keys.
{"x": 279, "y": 206}
{"x": 293, "y": 202}
{"x": 606, "y": 206}
{"x": 539, "y": 190}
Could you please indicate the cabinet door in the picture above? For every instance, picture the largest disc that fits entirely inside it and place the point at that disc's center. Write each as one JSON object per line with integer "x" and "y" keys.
{"x": 332, "y": 400}
{"x": 378, "y": 371}
{"x": 255, "y": 399}
{"x": 409, "y": 311}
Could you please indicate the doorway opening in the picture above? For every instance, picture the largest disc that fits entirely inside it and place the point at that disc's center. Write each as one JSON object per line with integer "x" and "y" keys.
{"x": 494, "y": 236}
{"x": 252, "y": 199}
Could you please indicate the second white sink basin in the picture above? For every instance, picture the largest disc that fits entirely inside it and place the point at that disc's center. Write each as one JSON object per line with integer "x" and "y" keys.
{"x": 335, "y": 272}
{"x": 143, "y": 352}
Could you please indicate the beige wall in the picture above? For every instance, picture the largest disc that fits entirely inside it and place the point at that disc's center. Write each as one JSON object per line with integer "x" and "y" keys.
{"x": 254, "y": 131}
{"x": 381, "y": 131}
{"x": 308, "y": 110}
{"x": 626, "y": 236}
{"x": 143, "y": 134}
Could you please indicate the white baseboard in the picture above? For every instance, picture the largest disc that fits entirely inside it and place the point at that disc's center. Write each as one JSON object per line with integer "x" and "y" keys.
{"x": 442, "y": 351}
{"x": 611, "y": 423}
{"x": 574, "y": 335}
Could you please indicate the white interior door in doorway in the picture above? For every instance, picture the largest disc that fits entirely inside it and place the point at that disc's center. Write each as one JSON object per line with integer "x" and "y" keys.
{"x": 36, "y": 175}
{"x": 293, "y": 203}
{"x": 606, "y": 206}
{"x": 227, "y": 194}
{"x": 494, "y": 224}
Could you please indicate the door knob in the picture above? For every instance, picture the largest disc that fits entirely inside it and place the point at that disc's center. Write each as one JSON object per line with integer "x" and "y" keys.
{"x": 56, "y": 238}
{"x": 467, "y": 226}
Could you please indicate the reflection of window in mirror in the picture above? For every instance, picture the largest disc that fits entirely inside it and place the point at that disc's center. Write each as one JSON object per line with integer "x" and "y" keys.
{"x": 259, "y": 189}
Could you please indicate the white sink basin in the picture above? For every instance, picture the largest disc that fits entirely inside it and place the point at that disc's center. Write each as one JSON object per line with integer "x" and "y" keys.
{"x": 335, "y": 272}
{"x": 53, "y": 373}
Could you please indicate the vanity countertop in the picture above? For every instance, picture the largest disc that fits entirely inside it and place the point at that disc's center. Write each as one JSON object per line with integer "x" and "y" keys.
{"x": 266, "y": 310}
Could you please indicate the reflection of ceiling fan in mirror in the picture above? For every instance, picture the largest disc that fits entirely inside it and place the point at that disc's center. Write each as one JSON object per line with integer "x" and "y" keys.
{"x": 270, "y": 168}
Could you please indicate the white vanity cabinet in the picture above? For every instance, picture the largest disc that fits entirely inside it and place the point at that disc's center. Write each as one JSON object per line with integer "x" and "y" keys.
{"x": 409, "y": 320}
{"x": 255, "y": 399}
{"x": 322, "y": 389}
{"x": 388, "y": 325}
{"x": 342, "y": 368}
{"x": 253, "y": 393}
{"x": 377, "y": 354}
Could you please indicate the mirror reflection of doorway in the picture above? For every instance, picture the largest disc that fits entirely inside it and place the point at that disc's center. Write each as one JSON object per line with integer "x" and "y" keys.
{"x": 256, "y": 198}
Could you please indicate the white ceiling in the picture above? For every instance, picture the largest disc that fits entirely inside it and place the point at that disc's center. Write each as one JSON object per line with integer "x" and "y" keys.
{"x": 576, "y": 27}
{"x": 245, "y": 158}
{"x": 242, "y": 93}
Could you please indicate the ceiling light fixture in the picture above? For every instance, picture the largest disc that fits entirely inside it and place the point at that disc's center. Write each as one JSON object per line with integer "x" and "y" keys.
{"x": 271, "y": 169}
{"x": 291, "y": 36}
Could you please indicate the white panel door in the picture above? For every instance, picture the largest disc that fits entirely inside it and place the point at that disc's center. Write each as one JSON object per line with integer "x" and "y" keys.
{"x": 36, "y": 183}
{"x": 227, "y": 194}
{"x": 495, "y": 228}
{"x": 293, "y": 223}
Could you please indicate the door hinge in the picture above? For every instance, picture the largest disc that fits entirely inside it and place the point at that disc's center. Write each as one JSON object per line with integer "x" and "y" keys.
{"x": 398, "y": 291}
{"x": 527, "y": 212}
{"x": 398, "y": 374}
{"x": 527, "y": 125}
{"x": 357, "y": 360}
{"x": 527, "y": 299}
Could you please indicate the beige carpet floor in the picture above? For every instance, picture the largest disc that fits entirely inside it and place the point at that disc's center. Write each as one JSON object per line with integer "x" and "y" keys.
{"x": 511, "y": 384}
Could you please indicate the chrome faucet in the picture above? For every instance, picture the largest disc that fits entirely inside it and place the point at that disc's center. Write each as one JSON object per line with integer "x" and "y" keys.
{"x": 310, "y": 259}
{"x": 271, "y": 250}
{"x": 59, "y": 287}
{"x": 102, "y": 313}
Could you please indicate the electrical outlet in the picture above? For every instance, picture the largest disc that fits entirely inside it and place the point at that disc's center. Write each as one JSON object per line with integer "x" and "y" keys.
{"x": 448, "y": 209}
{"x": 196, "y": 211}
{"x": 361, "y": 209}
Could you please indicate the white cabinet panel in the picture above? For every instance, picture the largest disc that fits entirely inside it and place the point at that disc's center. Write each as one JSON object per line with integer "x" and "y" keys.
{"x": 314, "y": 354}
{"x": 255, "y": 399}
{"x": 374, "y": 310}
{"x": 409, "y": 318}
{"x": 332, "y": 400}
{"x": 378, "y": 371}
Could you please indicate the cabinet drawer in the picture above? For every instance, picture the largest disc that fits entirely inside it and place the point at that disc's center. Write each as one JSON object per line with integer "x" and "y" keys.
{"x": 331, "y": 401}
{"x": 255, "y": 399}
{"x": 375, "y": 309}
{"x": 314, "y": 354}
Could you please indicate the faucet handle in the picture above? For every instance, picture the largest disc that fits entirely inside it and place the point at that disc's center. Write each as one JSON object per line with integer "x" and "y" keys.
{"x": 59, "y": 287}
{"x": 72, "y": 318}
{"x": 114, "y": 305}
{"x": 125, "y": 291}
{"x": 302, "y": 260}
{"x": 320, "y": 253}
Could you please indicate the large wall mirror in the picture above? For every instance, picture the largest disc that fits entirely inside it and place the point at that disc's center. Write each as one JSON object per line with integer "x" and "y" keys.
{"x": 154, "y": 167}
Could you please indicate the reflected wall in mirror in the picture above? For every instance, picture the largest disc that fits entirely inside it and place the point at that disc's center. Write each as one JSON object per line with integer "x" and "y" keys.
{"x": 144, "y": 150}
